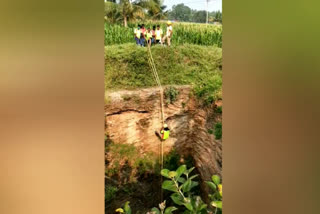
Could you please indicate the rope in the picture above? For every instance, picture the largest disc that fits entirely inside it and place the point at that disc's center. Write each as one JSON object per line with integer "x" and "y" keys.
{"x": 157, "y": 80}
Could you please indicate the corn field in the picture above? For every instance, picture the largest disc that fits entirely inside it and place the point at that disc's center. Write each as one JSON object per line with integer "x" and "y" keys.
{"x": 190, "y": 33}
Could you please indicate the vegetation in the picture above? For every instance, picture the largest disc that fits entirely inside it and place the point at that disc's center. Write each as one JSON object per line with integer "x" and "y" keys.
{"x": 183, "y": 33}
{"x": 110, "y": 192}
{"x": 184, "y": 13}
{"x": 218, "y": 130}
{"x": 218, "y": 110}
{"x": 171, "y": 94}
{"x": 126, "y": 67}
{"x": 125, "y": 11}
{"x": 124, "y": 156}
{"x": 180, "y": 182}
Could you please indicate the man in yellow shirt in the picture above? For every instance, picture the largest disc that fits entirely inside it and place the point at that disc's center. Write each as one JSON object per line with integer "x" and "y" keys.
{"x": 164, "y": 133}
{"x": 137, "y": 34}
{"x": 149, "y": 37}
{"x": 159, "y": 34}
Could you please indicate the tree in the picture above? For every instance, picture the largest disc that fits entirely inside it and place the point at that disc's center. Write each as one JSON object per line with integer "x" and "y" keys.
{"x": 156, "y": 9}
{"x": 199, "y": 16}
{"x": 111, "y": 12}
{"x": 180, "y": 12}
{"x": 215, "y": 16}
{"x": 130, "y": 11}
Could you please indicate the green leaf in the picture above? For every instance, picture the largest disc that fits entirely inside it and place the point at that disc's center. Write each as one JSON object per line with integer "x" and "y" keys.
{"x": 186, "y": 187}
{"x": 202, "y": 207}
{"x": 194, "y": 184}
{"x": 169, "y": 185}
{"x": 127, "y": 208}
{"x": 180, "y": 171}
{"x": 181, "y": 180}
{"x": 217, "y": 204}
{"x": 169, "y": 210}
{"x": 172, "y": 174}
{"x": 156, "y": 210}
{"x": 188, "y": 206}
{"x": 215, "y": 179}
{"x": 187, "y": 172}
{"x": 211, "y": 185}
{"x": 165, "y": 173}
{"x": 177, "y": 198}
{"x": 193, "y": 176}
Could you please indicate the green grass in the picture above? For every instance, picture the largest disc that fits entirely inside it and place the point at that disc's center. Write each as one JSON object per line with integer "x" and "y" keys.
{"x": 121, "y": 153}
{"x": 127, "y": 67}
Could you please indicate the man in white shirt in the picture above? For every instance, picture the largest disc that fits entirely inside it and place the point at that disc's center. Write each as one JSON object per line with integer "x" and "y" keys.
{"x": 169, "y": 34}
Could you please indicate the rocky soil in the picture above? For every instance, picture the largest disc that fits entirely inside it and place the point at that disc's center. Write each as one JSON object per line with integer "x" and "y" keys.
{"x": 132, "y": 117}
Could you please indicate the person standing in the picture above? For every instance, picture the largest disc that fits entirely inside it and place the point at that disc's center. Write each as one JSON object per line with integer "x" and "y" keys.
{"x": 149, "y": 37}
{"x": 143, "y": 35}
{"x": 153, "y": 32}
{"x": 159, "y": 34}
{"x": 169, "y": 34}
{"x": 137, "y": 34}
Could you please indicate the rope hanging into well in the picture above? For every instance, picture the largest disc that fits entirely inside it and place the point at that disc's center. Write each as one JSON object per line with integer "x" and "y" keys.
{"x": 157, "y": 80}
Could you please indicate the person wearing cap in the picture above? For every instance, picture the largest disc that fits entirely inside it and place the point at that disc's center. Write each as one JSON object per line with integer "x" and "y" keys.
{"x": 164, "y": 133}
{"x": 169, "y": 34}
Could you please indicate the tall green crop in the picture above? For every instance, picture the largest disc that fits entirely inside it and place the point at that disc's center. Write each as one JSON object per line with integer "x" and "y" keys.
{"x": 190, "y": 33}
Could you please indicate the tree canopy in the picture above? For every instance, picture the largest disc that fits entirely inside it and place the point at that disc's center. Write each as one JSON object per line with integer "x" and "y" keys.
{"x": 131, "y": 10}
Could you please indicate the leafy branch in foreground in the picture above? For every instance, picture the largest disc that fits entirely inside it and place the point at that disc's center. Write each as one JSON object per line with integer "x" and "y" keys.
{"x": 181, "y": 183}
{"x": 216, "y": 196}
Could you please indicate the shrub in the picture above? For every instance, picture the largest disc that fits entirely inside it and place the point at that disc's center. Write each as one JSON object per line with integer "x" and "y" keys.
{"x": 110, "y": 192}
{"x": 171, "y": 94}
{"x": 218, "y": 130}
{"x": 218, "y": 110}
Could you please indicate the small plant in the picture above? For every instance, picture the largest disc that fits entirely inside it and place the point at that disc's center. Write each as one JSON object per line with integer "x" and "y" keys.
{"x": 218, "y": 130}
{"x": 218, "y": 110}
{"x": 216, "y": 196}
{"x": 110, "y": 193}
{"x": 180, "y": 182}
{"x": 126, "y": 209}
{"x": 126, "y": 97}
{"x": 171, "y": 94}
{"x": 210, "y": 131}
{"x": 163, "y": 209}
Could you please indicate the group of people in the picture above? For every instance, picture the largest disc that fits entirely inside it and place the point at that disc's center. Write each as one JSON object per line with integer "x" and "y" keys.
{"x": 150, "y": 37}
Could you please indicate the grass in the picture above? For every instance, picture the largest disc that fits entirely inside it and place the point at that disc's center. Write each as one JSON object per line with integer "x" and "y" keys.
{"x": 122, "y": 154}
{"x": 126, "y": 67}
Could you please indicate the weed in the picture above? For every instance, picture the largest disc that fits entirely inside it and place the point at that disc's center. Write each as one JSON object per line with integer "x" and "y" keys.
{"x": 183, "y": 104}
{"x": 126, "y": 97}
{"x": 218, "y": 110}
{"x": 171, "y": 94}
{"x": 218, "y": 130}
{"x": 110, "y": 192}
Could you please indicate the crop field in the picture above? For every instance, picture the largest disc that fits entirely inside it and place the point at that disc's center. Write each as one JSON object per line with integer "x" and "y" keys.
{"x": 183, "y": 33}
